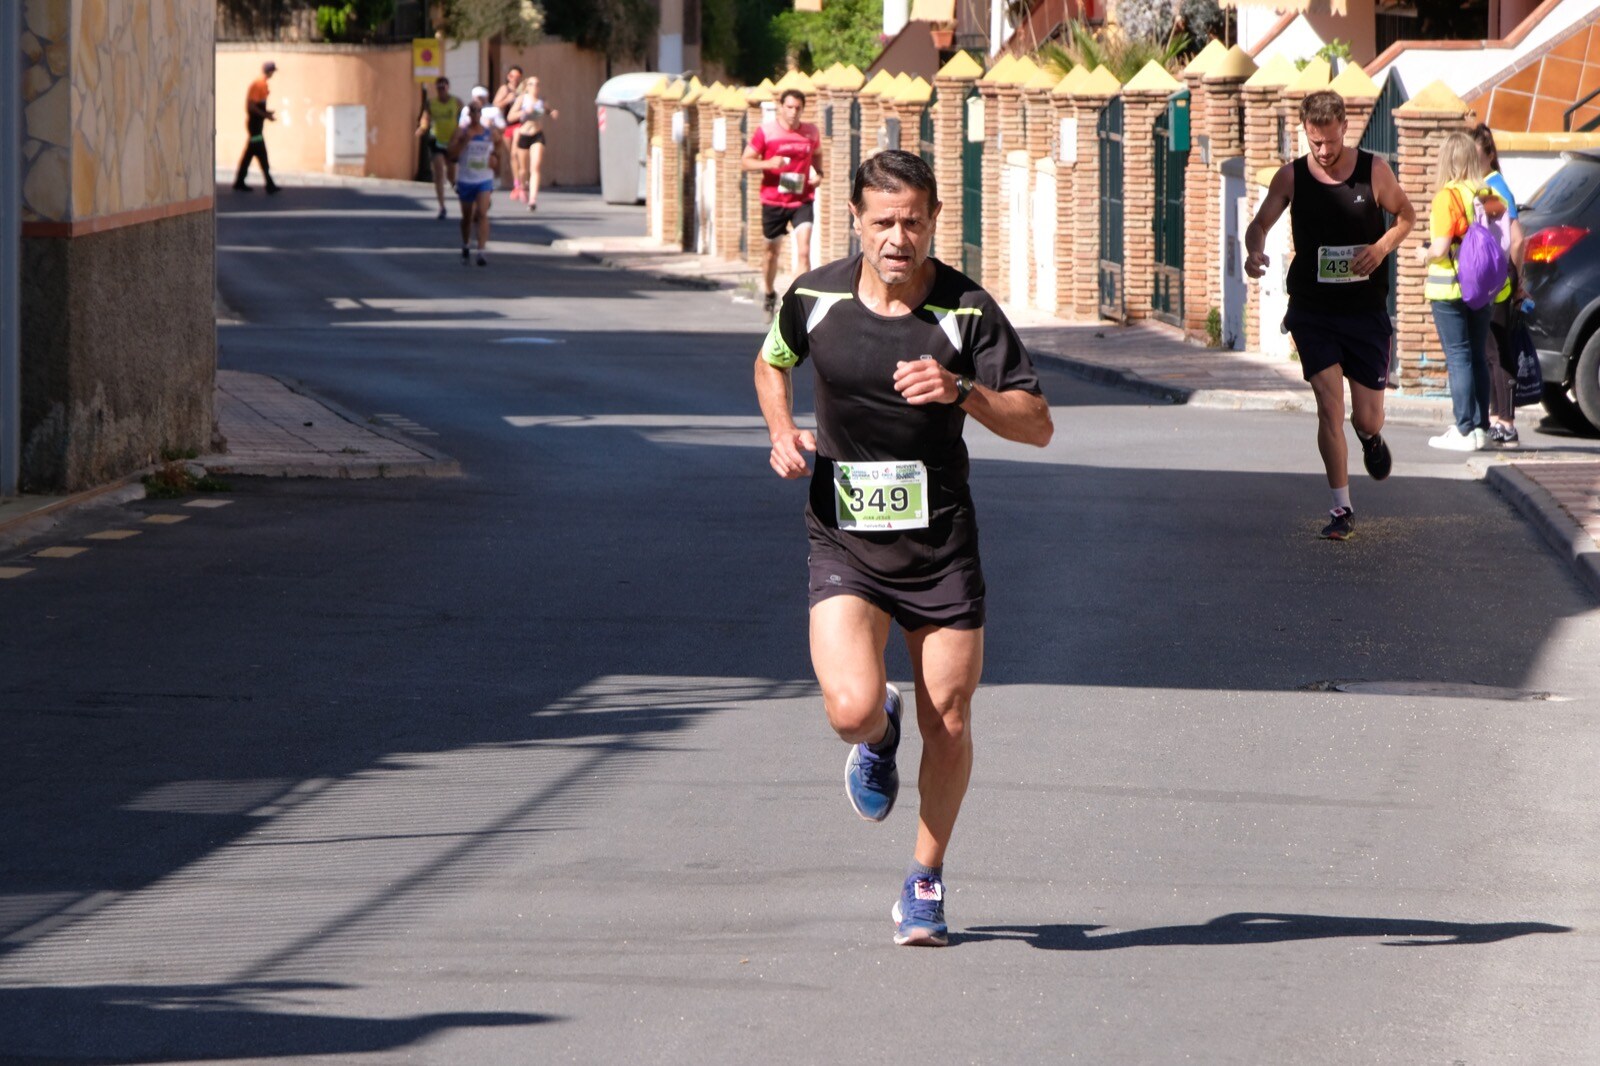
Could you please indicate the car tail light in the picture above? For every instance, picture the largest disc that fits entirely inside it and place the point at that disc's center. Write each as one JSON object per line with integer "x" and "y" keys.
{"x": 1551, "y": 244}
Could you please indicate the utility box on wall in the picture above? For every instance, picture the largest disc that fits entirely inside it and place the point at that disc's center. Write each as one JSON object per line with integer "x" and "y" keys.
{"x": 347, "y": 139}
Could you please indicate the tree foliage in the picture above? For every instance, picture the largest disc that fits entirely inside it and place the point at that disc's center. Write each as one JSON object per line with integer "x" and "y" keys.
{"x": 844, "y": 31}
{"x": 517, "y": 22}
{"x": 1115, "y": 49}
{"x": 622, "y": 29}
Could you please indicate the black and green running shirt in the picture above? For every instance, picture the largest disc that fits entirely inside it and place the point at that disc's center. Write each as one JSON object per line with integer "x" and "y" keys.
{"x": 861, "y": 418}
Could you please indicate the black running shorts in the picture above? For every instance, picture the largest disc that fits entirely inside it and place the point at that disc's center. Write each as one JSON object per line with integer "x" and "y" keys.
{"x": 1357, "y": 341}
{"x": 953, "y": 600}
{"x": 528, "y": 140}
{"x": 776, "y": 221}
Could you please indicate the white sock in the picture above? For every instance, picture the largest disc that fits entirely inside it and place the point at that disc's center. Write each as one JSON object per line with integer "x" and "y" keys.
{"x": 1341, "y": 498}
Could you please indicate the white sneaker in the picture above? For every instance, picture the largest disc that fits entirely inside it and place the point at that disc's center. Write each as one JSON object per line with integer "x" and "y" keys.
{"x": 1453, "y": 440}
{"x": 1480, "y": 437}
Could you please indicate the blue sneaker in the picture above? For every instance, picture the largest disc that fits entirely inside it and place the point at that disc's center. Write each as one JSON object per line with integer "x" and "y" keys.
{"x": 871, "y": 781}
{"x": 919, "y": 913}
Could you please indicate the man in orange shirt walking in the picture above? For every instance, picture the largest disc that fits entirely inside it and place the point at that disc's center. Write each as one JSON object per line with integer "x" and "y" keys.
{"x": 256, "y": 118}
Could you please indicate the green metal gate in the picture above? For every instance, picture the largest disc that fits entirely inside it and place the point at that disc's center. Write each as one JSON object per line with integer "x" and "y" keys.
{"x": 971, "y": 192}
{"x": 1382, "y": 139}
{"x": 855, "y": 164}
{"x": 1113, "y": 294}
{"x": 925, "y": 131}
{"x": 1167, "y": 292}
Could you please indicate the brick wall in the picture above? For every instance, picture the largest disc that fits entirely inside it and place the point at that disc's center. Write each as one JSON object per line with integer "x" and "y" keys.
{"x": 1085, "y": 223}
{"x": 950, "y": 142}
{"x": 1421, "y": 132}
{"x": 1139, "y": 196}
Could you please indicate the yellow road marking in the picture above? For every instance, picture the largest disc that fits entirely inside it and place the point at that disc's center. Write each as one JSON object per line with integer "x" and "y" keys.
{"x": 61, "y": 552}
{"x": 167, "y": 519}
{"x": 113, "y": 534}
{"x": 14, "y": 571}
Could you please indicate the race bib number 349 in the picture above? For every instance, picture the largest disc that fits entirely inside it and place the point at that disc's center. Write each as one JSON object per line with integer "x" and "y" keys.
{"x": 881, "y": 496}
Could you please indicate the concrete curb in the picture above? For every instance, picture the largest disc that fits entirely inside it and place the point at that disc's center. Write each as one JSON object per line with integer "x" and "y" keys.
{"x": 437, "y": 463}
{"x": 25, "y": 527}
{"x": 1558, "y": 528}
{"x": 620, "y": 261}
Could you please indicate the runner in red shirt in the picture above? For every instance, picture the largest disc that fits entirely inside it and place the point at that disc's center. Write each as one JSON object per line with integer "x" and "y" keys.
{"x": 787, "y": 153}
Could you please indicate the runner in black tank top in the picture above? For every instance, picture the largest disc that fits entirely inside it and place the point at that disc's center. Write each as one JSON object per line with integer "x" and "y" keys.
{"x": 1326, "y": 216}
{"x": 1338, "y": 286}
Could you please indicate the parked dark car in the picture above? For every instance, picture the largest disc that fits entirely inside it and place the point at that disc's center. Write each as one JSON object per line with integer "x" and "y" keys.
{"x": 1561, "y": 273}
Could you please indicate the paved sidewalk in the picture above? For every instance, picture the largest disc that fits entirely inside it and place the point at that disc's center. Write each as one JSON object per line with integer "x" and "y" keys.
{"x": 1560, "y": 496}
{"x": 274, "y": 429}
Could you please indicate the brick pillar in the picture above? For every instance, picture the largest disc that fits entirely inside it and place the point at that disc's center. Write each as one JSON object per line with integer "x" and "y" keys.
{"x": 1202, "y": 222}
{"x": 1068, "y": 161}
{"x": 708, "y": 167}
{"x": 755, "y": 243}
{"x": 872, "y": 110}
{"x": 1260, "y": 153}
{"x": 993, "y": 160}
{"x": 671, "y": 213}
{"x": 1013, "y": 138}
{"x": 730, "y": 220}
{"x": 1141, "y": 108}
{"x": 655, "y": 161}
{"x": 1421, "y": 125}
{"x": 837, "y": 177}
{"x": 1040, "y": 132}
{"x": 1224, "y": 126}
{"x": 1088, "y": 102}
{"x": 954, "y": 80}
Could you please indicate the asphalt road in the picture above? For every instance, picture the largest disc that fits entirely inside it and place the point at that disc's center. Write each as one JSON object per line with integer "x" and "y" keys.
{"x": 528, "y": 766}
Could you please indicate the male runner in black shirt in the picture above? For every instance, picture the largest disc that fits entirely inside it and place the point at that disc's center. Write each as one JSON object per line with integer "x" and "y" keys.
{"x": 904, "y": 348}
{"x": 1338, "y": 293}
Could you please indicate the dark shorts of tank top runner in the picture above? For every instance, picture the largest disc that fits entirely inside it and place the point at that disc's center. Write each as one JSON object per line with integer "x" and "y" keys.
{"x": 952, "y": 600}
{"x": 1355, "y": 341}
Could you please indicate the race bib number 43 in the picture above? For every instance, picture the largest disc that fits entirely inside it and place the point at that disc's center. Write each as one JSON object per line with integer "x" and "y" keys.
{"x": 880, "y": 496}
{"x": 1333, "y": 263}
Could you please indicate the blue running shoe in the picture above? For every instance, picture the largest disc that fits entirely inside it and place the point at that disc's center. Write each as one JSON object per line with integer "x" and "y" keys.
{"x": 870, "y": 780}
{"x": 919, "y": 913}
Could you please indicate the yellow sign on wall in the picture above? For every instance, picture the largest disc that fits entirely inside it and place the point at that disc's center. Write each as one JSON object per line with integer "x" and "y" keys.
{"x": 427, "y": 58}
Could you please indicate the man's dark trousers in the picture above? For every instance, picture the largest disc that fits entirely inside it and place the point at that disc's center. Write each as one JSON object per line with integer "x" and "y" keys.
{"x": 255, "y": 148}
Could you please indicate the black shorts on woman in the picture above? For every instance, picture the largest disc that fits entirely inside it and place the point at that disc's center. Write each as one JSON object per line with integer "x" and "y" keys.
{"x": 1338, "y": 323}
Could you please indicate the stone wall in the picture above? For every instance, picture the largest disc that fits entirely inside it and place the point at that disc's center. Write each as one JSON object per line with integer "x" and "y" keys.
{"x": 118, "y": 253}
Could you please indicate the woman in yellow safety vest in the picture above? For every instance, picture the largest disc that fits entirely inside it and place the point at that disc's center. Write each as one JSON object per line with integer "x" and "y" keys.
{"x": 1463, "y": 329}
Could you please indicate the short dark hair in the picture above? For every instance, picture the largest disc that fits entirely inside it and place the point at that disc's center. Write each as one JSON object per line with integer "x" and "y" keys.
{"x": 1485, "y": 138}
{"x": 893, "y": 171}
{"x": 513, "y": 67}
{"x": 1321, "y": 108}
{"x": 796, "y": 93}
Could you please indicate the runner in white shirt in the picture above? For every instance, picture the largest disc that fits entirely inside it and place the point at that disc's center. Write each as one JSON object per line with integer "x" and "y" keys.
{"x": 477, "y": 149}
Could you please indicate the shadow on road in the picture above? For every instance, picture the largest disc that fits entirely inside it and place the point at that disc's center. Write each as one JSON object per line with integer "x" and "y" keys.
{"x": 113, "y": 1025}
{"x": 1250, "y": 928}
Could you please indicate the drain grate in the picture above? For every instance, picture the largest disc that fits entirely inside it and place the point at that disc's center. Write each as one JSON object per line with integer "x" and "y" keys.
{"x": 1460, "y": 690}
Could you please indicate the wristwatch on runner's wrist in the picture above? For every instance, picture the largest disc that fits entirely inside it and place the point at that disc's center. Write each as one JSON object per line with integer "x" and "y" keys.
{"x": 964, "y": 387}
